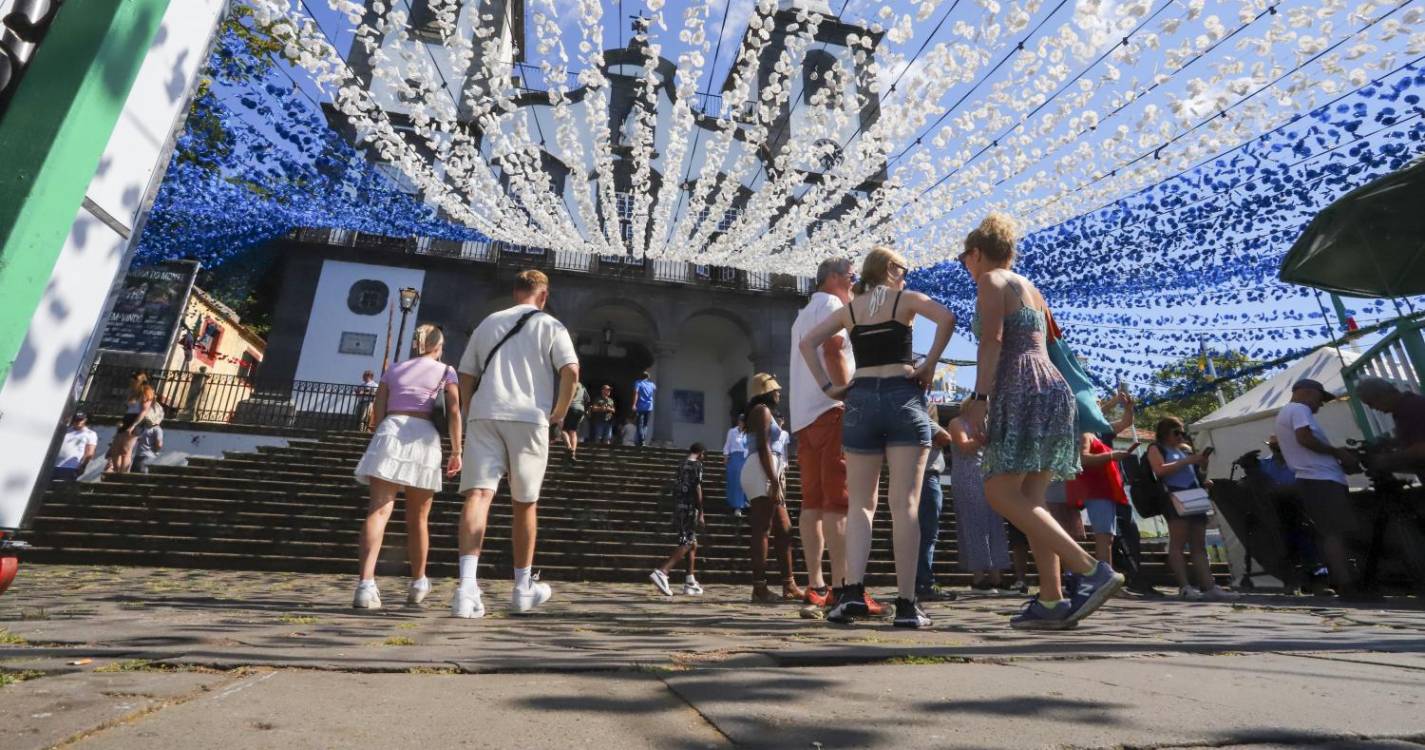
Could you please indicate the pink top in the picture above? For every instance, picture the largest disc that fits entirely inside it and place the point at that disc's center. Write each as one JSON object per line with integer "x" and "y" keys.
{"x": 412, "y": 385}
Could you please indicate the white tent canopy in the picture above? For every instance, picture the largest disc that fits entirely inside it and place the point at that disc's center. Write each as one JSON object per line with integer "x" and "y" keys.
{"x": 1245, "y": 422}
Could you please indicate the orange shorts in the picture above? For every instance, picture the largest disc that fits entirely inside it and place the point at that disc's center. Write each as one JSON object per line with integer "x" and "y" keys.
{"x": 823, "y": 464}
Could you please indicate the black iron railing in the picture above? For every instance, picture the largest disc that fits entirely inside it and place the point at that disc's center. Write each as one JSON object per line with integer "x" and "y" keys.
{"x": 232, "y": 399}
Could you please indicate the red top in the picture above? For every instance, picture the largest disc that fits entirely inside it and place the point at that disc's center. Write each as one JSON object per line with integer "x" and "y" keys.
{"x": 1100, "y": 483}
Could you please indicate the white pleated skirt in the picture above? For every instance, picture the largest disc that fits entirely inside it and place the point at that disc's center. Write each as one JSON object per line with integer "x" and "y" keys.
{"x": 404, "y": 450}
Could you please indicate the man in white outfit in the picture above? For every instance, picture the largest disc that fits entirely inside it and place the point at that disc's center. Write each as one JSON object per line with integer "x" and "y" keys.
{"x": 816, "y": 420}
{"x": 506, "y": 386}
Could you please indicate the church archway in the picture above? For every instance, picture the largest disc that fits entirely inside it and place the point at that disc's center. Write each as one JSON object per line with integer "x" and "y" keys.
{"x": 707, "y": 376}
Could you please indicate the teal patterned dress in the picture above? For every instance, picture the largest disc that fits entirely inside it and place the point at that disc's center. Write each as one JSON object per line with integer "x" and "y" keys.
{"x": 1032, "y": 410}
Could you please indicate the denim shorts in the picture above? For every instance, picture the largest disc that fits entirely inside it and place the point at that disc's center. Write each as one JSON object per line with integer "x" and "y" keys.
{"x": 885, "y": 412}
{"x": 1103, "y": 515}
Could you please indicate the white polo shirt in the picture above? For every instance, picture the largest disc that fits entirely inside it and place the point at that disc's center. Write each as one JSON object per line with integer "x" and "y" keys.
{"x": 520, "y": 384}
{"x": 807, "y": 400}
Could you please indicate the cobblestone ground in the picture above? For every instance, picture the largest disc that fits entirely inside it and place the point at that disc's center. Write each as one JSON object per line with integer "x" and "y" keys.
{"x": 714, "y": 669}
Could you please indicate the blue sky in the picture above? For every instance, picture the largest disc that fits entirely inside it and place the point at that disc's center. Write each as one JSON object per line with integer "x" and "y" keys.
{"x": 1100, "y": 23}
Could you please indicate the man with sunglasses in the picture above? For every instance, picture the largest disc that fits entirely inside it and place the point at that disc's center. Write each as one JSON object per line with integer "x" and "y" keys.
{"x": 816, "y": 421}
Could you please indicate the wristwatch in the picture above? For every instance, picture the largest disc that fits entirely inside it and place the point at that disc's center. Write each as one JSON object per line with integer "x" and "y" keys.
{"x": 977, "y": 396}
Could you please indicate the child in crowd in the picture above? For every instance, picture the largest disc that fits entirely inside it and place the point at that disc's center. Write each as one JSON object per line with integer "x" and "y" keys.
{"x": 150, "y": 444}
{"x": 687, "y": 518}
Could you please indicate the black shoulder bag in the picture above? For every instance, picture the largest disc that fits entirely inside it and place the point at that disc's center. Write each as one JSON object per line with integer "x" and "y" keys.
{"x": 491, "y": 356}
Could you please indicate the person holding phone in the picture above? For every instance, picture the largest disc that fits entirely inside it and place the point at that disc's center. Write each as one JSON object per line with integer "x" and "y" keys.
{"x": 1175, "y": 464}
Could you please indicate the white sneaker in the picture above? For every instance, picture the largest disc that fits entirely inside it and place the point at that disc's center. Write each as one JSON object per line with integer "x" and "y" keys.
{"x": 467, "y": 604}
{"x": 367, "y": 596}
{"x": 692, "y": 588}
{"x": 1189, "y": 594}
{"x": 525, "y": 599}
{"x": 1218, "y": 594}
{"x": 660, "y": 579}
{"x": 420, "y": 588}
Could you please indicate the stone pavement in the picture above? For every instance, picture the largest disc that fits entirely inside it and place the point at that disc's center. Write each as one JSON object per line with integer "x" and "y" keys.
{"x": 143, "y": 657}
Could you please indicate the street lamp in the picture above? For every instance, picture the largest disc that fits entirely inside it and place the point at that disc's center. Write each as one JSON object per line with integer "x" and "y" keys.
{"x": 409, "y": 298}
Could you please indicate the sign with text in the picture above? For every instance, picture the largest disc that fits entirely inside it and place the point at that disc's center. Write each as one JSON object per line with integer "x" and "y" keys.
{"x": 150, "y": 305}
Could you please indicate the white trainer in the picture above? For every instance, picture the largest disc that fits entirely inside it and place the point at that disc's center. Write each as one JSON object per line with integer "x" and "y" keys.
{"x": 467, "y": 604}
{"x": 367, "y": 596}
{"x": 1189, "y": 594}
{"x": 660, "y": 579}
{"x": 525, "y": 599}
{"x": 692, "y": 588}
{"x": 420, "y": 588}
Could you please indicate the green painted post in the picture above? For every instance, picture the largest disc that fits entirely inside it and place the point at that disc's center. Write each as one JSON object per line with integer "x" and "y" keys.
{"x": 51, "y": 138}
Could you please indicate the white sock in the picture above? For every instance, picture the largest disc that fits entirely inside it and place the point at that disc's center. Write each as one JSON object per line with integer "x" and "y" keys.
{"x": 690, "y": 579}
{"x": 421, "y": 583}
{"x": 367, "y": 583}
{"x": 468, "y": 578}
{"x": 522, "y": 578}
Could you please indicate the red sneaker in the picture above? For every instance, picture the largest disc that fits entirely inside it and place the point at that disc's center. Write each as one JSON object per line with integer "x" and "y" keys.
{"x": 873, "y": 607}
{"x": 815, "y": 598}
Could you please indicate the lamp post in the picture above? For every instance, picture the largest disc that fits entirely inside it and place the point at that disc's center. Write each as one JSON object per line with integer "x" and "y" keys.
{"x": 409, "y": 299}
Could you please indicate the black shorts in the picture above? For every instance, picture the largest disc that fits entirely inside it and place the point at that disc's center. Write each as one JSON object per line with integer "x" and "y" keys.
{"x": 1328, "y": 505}
{"x": 572, "y": 420}
{"x": 685, "y": 523}
{"x": 1016, "y": 537}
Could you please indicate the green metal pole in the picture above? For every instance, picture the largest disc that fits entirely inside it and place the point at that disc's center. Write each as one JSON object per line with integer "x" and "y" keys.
{"x": 51, "y": 138}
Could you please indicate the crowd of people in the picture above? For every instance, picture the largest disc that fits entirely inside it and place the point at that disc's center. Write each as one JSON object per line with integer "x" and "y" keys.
{"x": 859, "y": 403}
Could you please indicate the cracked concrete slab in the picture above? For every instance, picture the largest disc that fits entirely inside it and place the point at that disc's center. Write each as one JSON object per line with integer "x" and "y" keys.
{"x": 627, "y": 711}
{"x": 42, "y": 712}
{"x": 1178, "y": 700}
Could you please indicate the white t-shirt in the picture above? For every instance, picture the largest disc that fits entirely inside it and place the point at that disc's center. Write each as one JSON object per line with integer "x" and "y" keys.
{"x": 519, "y": 386}
{"x": 807, "y": 400}
{"x": 1307, "y": 464}
{"x": 71, "y": 448}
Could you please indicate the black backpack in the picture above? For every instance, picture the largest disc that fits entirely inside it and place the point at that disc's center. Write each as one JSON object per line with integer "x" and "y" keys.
{"x": 1147, "y": 492}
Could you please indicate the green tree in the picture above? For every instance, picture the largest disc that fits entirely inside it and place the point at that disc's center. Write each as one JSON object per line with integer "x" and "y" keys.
{"x": 1189, "y": 375}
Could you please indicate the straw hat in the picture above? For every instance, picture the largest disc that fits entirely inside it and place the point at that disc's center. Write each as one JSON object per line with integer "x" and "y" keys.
{"x": 762, "y": 383}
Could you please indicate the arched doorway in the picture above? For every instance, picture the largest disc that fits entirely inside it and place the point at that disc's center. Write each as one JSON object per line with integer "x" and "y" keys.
{"x": 707, "y": 377}
{"x": 614, "y": 339}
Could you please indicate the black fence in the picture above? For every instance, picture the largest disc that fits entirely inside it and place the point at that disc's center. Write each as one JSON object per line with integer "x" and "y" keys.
{"x": 232, "y": 399}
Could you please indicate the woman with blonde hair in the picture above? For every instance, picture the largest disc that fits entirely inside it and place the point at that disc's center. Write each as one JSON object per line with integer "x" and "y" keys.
{"x": 141, "y": 402}
{"x": 404, "y": 456}
{"x": 1026, "y": 412}
{"x": 886, "y": 419}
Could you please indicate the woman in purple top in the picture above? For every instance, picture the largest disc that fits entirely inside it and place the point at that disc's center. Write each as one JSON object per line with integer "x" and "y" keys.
{"x": 404, "y": 456}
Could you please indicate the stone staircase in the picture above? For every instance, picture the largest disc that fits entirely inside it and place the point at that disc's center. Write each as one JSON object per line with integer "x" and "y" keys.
{"x": 297, "y": 508}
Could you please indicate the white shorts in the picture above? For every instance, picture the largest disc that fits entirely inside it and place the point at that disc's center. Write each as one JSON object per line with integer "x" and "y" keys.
{"x": 494, "y": 449}
{"x": 754, "y": 480}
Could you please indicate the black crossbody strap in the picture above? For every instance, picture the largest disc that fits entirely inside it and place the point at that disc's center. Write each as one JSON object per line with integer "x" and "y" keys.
{"x": 510, "y": 334}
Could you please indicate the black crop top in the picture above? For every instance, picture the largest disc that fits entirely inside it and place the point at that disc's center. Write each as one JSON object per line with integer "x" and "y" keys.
{"x": 884, "y": 343}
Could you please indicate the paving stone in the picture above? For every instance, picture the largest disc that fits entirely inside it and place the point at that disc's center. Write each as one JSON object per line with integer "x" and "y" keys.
{"x": 625, "y": 711}
{"x": 43, "y": 712}
{"x": 1180, "y": 700}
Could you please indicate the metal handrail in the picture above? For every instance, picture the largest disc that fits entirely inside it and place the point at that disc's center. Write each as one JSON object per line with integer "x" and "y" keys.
{"x": 200, "y": 396}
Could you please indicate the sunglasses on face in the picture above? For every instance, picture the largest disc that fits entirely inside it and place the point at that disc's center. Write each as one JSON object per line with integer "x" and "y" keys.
{"x": 1179, "y": 433}
{"x": 902, "y": 268}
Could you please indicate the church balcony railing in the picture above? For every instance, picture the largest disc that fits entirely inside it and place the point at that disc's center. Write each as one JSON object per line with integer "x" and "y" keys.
{"x": 199, "y": 396}
{"x": 522, "y": 256}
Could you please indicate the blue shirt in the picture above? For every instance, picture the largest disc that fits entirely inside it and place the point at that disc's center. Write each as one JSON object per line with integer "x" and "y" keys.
{"x": 645, "y": 390}
{"x": 1277, "y": 472}
{"x": 1185, "y": 478}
